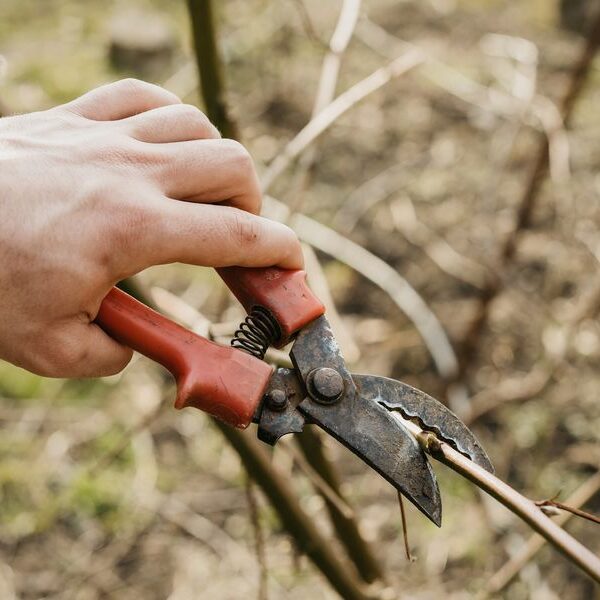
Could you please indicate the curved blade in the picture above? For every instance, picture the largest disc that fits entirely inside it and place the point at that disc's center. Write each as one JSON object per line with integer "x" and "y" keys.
{"x": 374, "y": 435}
{"x": 430, "y": 414}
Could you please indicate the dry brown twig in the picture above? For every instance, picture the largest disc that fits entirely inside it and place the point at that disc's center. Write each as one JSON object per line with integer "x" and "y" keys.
{"x": 553, "y": 504}
{"x": 524, "y": 508}
{"x": 409, "y": 556}
{"x": 510, "y": 569}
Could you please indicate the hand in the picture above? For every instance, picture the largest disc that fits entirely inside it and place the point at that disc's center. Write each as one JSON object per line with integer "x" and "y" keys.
{"x": 100, "y": 188}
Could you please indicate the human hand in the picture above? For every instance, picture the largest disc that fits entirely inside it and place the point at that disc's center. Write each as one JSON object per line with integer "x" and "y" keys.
{"x": 100, "y": 188}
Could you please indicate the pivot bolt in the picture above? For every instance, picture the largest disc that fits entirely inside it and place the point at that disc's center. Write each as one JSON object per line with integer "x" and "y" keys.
{"x": 277, "y": 400}
{"x": 326, "y": 384}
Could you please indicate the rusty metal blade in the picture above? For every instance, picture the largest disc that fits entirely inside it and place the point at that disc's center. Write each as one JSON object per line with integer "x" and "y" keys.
{"x": 363, "y": 426}
{"x": 430, "y": 414}
{"x": 375, "y": 436}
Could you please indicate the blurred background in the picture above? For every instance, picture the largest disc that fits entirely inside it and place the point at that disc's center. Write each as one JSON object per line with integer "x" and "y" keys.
{"x": 428, "y": 177}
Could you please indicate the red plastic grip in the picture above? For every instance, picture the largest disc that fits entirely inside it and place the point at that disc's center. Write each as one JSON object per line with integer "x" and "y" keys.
{"x": 284, "y": 293}
{"x": 222, "y": 381}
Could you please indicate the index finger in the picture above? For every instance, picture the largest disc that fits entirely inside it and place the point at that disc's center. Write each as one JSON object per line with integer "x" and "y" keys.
{"x": 206, "y": 235}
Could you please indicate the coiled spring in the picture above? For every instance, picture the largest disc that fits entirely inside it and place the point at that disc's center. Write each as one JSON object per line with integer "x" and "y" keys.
{"x": 258, "y": 331}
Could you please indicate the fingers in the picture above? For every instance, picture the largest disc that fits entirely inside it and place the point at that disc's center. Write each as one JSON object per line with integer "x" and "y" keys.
{"x": 81, "y": 349}
{"x": 213, "y": 235}
{"x": 121, "y": 99}
{"x": 173, "y": 123}
{"x": 210, "y": 171}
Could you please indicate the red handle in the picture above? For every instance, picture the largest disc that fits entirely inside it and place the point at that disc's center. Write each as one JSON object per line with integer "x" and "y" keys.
{"x": 284, "y": 293}
{"x": 223, "y": 381}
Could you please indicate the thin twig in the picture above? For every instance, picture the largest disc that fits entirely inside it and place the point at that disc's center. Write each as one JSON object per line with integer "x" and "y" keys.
{"x": 409, "y": 556}
{"x": 510, "y": 569}
{"x": 524, "y": 508}
{"x": 575, "y": 511}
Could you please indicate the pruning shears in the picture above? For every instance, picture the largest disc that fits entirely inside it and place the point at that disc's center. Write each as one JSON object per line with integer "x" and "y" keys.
{"x": 236, "y": 386}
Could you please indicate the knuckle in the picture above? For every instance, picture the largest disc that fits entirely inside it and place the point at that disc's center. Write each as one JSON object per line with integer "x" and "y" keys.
{"x": 239, "y": 156}
{"x": 132, "y": 85}
{"x": 191, "y": 112}
{"x": 195, "y": 118}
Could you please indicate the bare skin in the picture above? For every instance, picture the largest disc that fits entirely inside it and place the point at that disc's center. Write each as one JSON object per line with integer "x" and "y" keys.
{"x": 98, "y": 189}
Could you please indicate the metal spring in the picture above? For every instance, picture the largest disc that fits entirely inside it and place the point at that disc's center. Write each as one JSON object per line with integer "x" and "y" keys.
{"x": 258, "y": 331}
